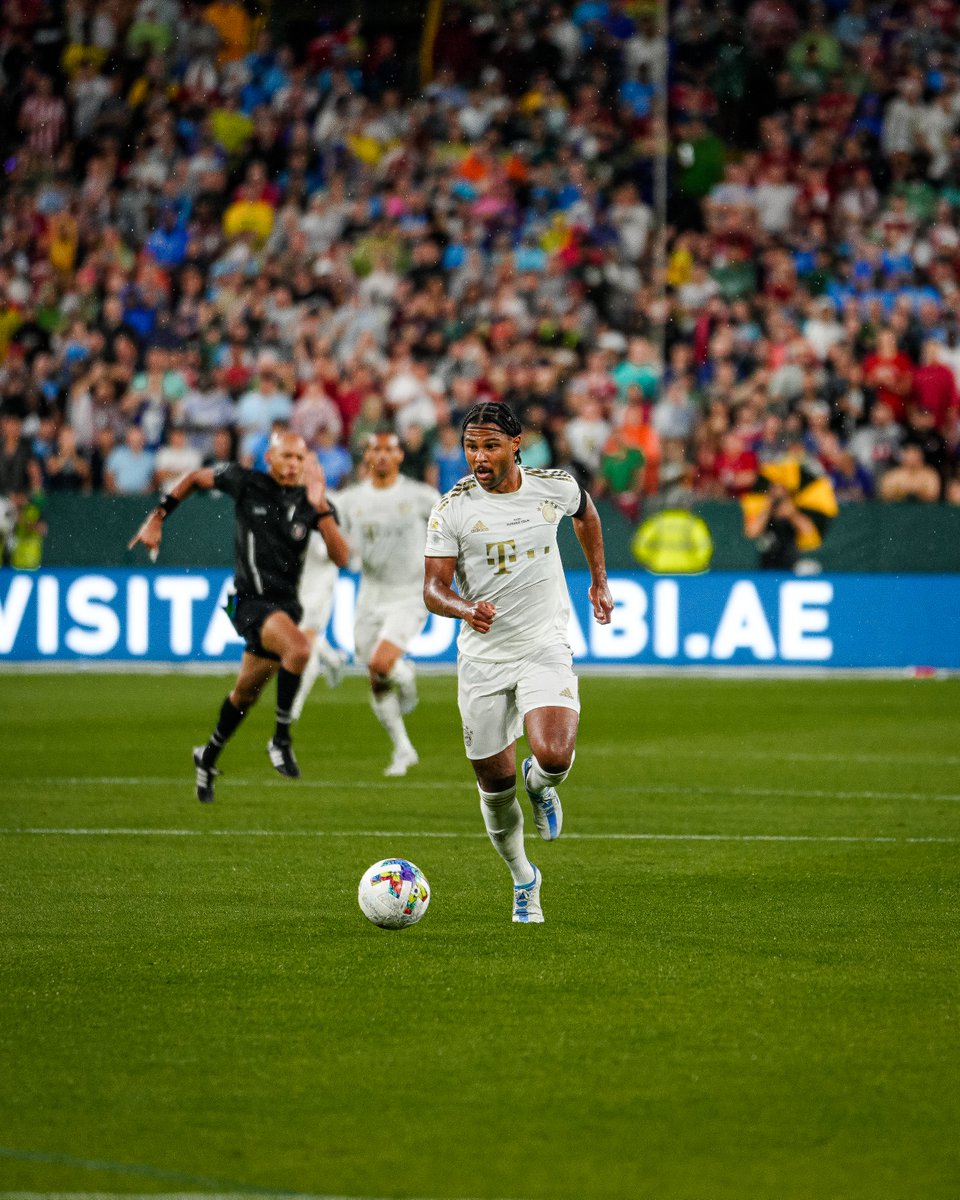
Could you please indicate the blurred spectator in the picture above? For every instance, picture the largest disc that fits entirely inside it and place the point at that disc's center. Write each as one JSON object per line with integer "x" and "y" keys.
{"x": 175, "y": 458}
{"x": 890, "y": 373}
{"x": 448, "y": 463}
{"x": 314, "y": 410}
{"x": 850, "y": 479}
{"x": 675, "y": 415}
{"x": 736, "y": 464}
{"x": 934, "y": 385}
{"x": 205, "y": 408}
{"x": 20, "y": 473}
{"x": 876, "y": 444}
{"x": 676, "y": 476}
{"x": 416, "y": 451}
{"x": 129, "y": 467}
{"x": 587, "y": 434}
{"x": 911, "y": 478}
{"x": 335, "y": 459}
{"x": 67, "y": 470}
{"x": 623, "y": 469}
{"x": 262, "y": 405}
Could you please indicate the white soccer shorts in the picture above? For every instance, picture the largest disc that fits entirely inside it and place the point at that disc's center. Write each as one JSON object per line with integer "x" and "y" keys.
{"x": 494, "y": 698}
{"x": 398, "y": 623}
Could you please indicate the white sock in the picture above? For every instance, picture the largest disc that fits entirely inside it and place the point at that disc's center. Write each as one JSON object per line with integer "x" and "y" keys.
{"x": 387, "y": 709}
{"x": 307, "y": 680}
{"x": 402, "y": 672}
{"x": 503, "y": 817}
{"x": 326, "y": 654}
{"x": 538, "y": 778}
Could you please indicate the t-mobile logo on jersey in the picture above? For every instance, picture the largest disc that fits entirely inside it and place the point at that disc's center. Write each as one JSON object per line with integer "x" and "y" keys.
{"x": 506, "y": 552}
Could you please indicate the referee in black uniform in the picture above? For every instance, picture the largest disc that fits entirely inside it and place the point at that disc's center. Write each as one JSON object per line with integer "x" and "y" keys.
{"x": 275, "y": 512}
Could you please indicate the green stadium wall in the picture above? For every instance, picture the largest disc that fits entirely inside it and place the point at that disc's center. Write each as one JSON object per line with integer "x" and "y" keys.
{"x": 896, "y": 538}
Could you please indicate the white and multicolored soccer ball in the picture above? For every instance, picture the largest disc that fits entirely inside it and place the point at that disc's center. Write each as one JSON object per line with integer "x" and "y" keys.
{"x": 394, "y": 893}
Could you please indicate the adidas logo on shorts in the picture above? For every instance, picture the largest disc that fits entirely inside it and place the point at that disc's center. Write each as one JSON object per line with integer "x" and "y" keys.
{"x": 566, "y": 692}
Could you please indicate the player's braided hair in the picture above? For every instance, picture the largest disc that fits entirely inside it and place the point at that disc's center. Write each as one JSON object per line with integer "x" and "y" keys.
{"x": 492, "y": 412}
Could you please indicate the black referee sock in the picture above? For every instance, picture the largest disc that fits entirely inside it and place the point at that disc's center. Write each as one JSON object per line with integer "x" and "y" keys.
{"x": 288, "y": 685}
{"x": 230, "y": 718}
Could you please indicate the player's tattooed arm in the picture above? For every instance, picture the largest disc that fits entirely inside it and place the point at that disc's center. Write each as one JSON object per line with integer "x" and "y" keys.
{"x": 440, "y": 598}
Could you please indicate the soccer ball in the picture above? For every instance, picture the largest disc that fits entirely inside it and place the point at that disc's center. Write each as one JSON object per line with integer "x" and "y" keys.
{"x": 394, "y": 893}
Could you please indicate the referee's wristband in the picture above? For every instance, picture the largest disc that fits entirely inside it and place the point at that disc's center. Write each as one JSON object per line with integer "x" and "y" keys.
{"x": 166, "y": 506}
{"x": 326, "y": 513}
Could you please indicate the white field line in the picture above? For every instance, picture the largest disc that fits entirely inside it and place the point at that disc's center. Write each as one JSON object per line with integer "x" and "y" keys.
{"x": 414, "y": 834}
{"x": 185, "y": 782}
{"x": 660, "y": 749}
{"x": 244, "y": 1195}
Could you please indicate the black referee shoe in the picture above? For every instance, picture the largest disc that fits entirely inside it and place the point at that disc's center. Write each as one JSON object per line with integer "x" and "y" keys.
{"x": 281, "y": 755}
{"x": 205, "y": 776}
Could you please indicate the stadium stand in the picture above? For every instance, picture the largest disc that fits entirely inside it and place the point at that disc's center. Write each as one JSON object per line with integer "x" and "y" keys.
{"x": 674, "y": 256}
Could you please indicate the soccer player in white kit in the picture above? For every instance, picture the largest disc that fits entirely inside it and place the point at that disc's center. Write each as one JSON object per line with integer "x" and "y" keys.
{"x": 384, "y": 518}
{"x": 317, "y": 586}
{"x": 495, "y": 533}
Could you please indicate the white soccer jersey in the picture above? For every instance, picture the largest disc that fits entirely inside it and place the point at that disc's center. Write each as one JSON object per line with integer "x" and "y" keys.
{"x": 385, "y": 527}
{"x": 318, "y": 580}
{"x": 505, "y": 545}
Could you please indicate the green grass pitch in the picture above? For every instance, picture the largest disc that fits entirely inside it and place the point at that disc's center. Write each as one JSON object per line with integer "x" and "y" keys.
{"x": 747, "y": 985}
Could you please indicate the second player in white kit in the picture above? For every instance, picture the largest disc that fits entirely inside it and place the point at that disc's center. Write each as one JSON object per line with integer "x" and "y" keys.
{"x": 384, "y": 519}
{"x": 318, "y": 584}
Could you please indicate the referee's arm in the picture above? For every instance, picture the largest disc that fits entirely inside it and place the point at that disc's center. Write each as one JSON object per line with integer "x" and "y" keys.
{"x": 151, "y": 531}
{"x": 328, "y": 525}
{"x": 337, "y": 545}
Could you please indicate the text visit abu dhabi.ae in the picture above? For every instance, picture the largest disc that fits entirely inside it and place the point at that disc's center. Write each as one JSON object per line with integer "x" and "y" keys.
{"x": 714, "y": 620}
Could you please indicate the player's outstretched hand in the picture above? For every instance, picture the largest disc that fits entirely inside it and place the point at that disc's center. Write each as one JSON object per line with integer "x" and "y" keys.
{"x": 149, "y": 535}
{"x": 481, "y": 616}
{"x": 602, "y": 602}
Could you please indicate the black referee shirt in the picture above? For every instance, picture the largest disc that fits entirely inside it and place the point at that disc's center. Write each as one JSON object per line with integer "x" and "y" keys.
{"x": 273, "y": 524}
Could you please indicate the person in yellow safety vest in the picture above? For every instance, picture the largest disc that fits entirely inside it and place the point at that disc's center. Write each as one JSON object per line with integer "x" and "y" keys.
{"x": 28, "y": 534}
{"x": 673, "y": 542}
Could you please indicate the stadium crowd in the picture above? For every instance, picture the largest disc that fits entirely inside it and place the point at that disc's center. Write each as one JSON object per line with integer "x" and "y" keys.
{"x": 209, "y": 226}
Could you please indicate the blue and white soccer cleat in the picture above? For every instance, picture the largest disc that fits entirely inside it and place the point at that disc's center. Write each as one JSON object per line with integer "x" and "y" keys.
{"x": 526, "y": 901}
{"x": 547, "y": 813}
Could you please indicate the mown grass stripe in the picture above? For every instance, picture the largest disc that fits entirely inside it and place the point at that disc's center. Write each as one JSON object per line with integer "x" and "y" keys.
{"x": 584, "y": 788}
{"x": 433, "y": 833}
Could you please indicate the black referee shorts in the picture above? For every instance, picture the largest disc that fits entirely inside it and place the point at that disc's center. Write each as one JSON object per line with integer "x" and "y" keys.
{"x": 249, "y": 614}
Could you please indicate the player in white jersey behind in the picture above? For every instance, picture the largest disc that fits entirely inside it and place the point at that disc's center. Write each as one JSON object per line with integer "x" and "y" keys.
{"x": 317, "y": 586}
{"x": 384, "y": 519}
{"x": 495, "y": 534}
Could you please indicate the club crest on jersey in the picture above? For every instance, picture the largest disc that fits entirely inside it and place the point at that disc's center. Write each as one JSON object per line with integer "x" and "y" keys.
{"x": 549, "y": 512}
{"x": 298, "y": 531}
